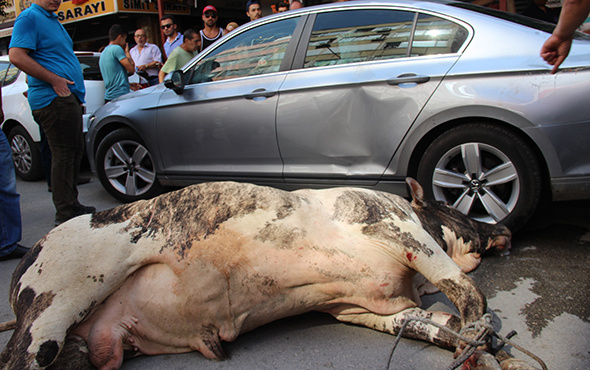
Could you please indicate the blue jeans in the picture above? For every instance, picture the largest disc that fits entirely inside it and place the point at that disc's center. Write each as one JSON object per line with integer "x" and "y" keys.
{"x": 10, "y": 221}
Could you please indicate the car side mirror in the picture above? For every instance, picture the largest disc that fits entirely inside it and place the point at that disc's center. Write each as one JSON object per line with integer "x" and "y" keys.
{"x": 175, "y": 81}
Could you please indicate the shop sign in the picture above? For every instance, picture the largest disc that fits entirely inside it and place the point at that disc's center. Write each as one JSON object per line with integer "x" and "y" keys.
{"x": 75, "y": 10}
{"x": 144, "y": 6}
{"x": 9, "y": 12}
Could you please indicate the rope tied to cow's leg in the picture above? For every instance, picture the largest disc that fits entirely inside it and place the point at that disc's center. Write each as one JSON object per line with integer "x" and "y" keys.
{"x": 8, "y": 325}
{"x": 407, "y": 320}
{"x": 483, "y": 327}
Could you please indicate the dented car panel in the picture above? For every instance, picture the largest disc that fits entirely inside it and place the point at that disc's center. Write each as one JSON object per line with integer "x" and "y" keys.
{"x": 364, "y": 94}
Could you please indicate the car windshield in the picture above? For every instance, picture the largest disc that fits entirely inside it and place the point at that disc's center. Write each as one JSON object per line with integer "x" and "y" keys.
{"x": 516, "y": 18}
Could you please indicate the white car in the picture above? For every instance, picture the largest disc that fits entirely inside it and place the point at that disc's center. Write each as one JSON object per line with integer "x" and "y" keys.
{"x": 19, "y": 126}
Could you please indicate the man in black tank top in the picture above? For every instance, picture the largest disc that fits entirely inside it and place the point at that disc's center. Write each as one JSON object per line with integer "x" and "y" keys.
{"x": 212, "y": 32}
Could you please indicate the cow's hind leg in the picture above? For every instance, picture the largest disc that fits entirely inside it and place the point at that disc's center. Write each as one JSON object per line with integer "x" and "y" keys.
{"x": 415, "y": 328}
{"x": 74, "y": 356}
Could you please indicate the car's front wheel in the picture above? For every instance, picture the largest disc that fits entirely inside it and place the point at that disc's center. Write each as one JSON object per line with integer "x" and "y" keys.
{"x": 125, "y": 167}
{"x": 25, "y": 154}
{"x": 485, "y": 171}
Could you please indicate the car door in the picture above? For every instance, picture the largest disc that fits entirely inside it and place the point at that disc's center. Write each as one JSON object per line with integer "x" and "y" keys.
{"x": 223, "y": 123}
{"x": 363, "y": 77}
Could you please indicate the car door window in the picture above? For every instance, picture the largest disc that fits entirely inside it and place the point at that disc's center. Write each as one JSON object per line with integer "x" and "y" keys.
{"x": 370, "y": 34}
{"x": 8, "y": 73}
{"x": 254, "y": 52}
{"x": 3, "y": 70}
{"x": 435, "y": 35}
{"x": 359, "y": 36}
{"x": 90, "y": 68}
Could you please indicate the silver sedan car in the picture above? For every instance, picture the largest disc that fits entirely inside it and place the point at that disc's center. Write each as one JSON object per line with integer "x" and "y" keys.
{"x": 365, "y": 93}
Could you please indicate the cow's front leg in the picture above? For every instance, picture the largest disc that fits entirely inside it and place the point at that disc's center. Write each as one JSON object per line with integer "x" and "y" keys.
{"x": 440, "y": 270}
{"x": 415, "y": 329}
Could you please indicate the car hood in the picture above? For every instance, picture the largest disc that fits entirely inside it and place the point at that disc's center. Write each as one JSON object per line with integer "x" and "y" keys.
{"x": 123, "y": 103}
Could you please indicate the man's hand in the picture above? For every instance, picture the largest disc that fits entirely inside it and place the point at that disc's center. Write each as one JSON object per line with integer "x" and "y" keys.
{"x": 22, "y": 60}
{"x": 60, "y": 86}
{"x": 555, "y": 50}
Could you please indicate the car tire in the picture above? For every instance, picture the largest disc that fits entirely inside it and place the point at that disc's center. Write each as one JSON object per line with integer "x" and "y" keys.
{"x": 25, "y": 155}
{"x": 486, "y": 171}
{"x": 125, "y": 167}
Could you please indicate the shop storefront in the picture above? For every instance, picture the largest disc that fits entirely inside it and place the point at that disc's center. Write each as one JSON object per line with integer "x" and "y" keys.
{"x": 88, "y": 21}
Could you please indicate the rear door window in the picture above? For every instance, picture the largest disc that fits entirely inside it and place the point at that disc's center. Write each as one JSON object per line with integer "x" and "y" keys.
{"x": 359, "y": 36}
{"x": 353, "y": 36}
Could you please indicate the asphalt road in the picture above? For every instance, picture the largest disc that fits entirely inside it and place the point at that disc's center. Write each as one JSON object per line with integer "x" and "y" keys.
{"x": 540, "y": 290}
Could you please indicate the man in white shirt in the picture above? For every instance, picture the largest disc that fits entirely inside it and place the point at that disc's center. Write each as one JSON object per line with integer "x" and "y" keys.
{"x": 147, "y": 57}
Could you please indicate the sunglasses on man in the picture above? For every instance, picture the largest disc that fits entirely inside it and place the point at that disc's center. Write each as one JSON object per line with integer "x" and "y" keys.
{"x": 210, "y": 15}
{"x": 164, "y": 26}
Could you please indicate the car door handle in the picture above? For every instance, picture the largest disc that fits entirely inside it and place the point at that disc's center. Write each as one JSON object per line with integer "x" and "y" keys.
{"x": 406, "y": 78}
{"x": 258, "y": 93}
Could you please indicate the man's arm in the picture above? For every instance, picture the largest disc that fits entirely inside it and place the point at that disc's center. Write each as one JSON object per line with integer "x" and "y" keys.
{"x": 127, "y": 62}
{"x": 168, "y": 67}
{"x": 557, "y": 46}
{"x": 22, "y": 60}
{"x": 157, "y": 55}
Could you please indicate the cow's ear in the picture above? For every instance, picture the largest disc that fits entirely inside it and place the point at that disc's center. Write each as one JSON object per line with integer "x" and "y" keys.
{"x": 417, "y": 193}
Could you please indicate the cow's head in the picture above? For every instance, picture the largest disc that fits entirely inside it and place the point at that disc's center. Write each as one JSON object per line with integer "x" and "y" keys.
{"x": 464, "y": 239}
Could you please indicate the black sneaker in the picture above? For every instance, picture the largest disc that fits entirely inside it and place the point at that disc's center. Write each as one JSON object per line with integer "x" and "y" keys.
{"x": 59, "y": 221}
{"x": 17, "y": 252}
{"x": 78, "y": 211}
{"x": 82, "y": 210}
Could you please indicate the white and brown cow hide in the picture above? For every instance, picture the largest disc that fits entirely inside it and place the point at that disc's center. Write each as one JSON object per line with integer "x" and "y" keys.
{"x": 192, "y": 268}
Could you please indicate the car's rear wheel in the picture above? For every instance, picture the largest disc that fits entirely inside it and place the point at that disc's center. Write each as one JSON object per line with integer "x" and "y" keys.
{"x": 485, "y": 171}
{"x": 25, "y": 155}
{"x": 125, "y": 167}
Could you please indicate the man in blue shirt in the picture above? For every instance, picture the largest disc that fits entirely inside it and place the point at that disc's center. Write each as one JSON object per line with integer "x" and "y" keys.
{"x": 115, "y": 63}
{"x": 173, "y": 37}
{"x": 42, "y": 48}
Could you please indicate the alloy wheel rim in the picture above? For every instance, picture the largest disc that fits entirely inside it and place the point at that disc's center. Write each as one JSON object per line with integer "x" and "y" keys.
{"x": 22, "y": 157}
{"x": 479, "y": 180}
{"x": 129, "y": 168}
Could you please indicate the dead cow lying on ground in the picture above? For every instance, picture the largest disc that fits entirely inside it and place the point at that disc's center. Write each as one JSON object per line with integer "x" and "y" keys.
{"x": 189, "y": 269}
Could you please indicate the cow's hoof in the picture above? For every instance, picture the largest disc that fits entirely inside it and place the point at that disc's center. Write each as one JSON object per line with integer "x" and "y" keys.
{"x": 481, "y": 360}
{"x": 507, "y": 362}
